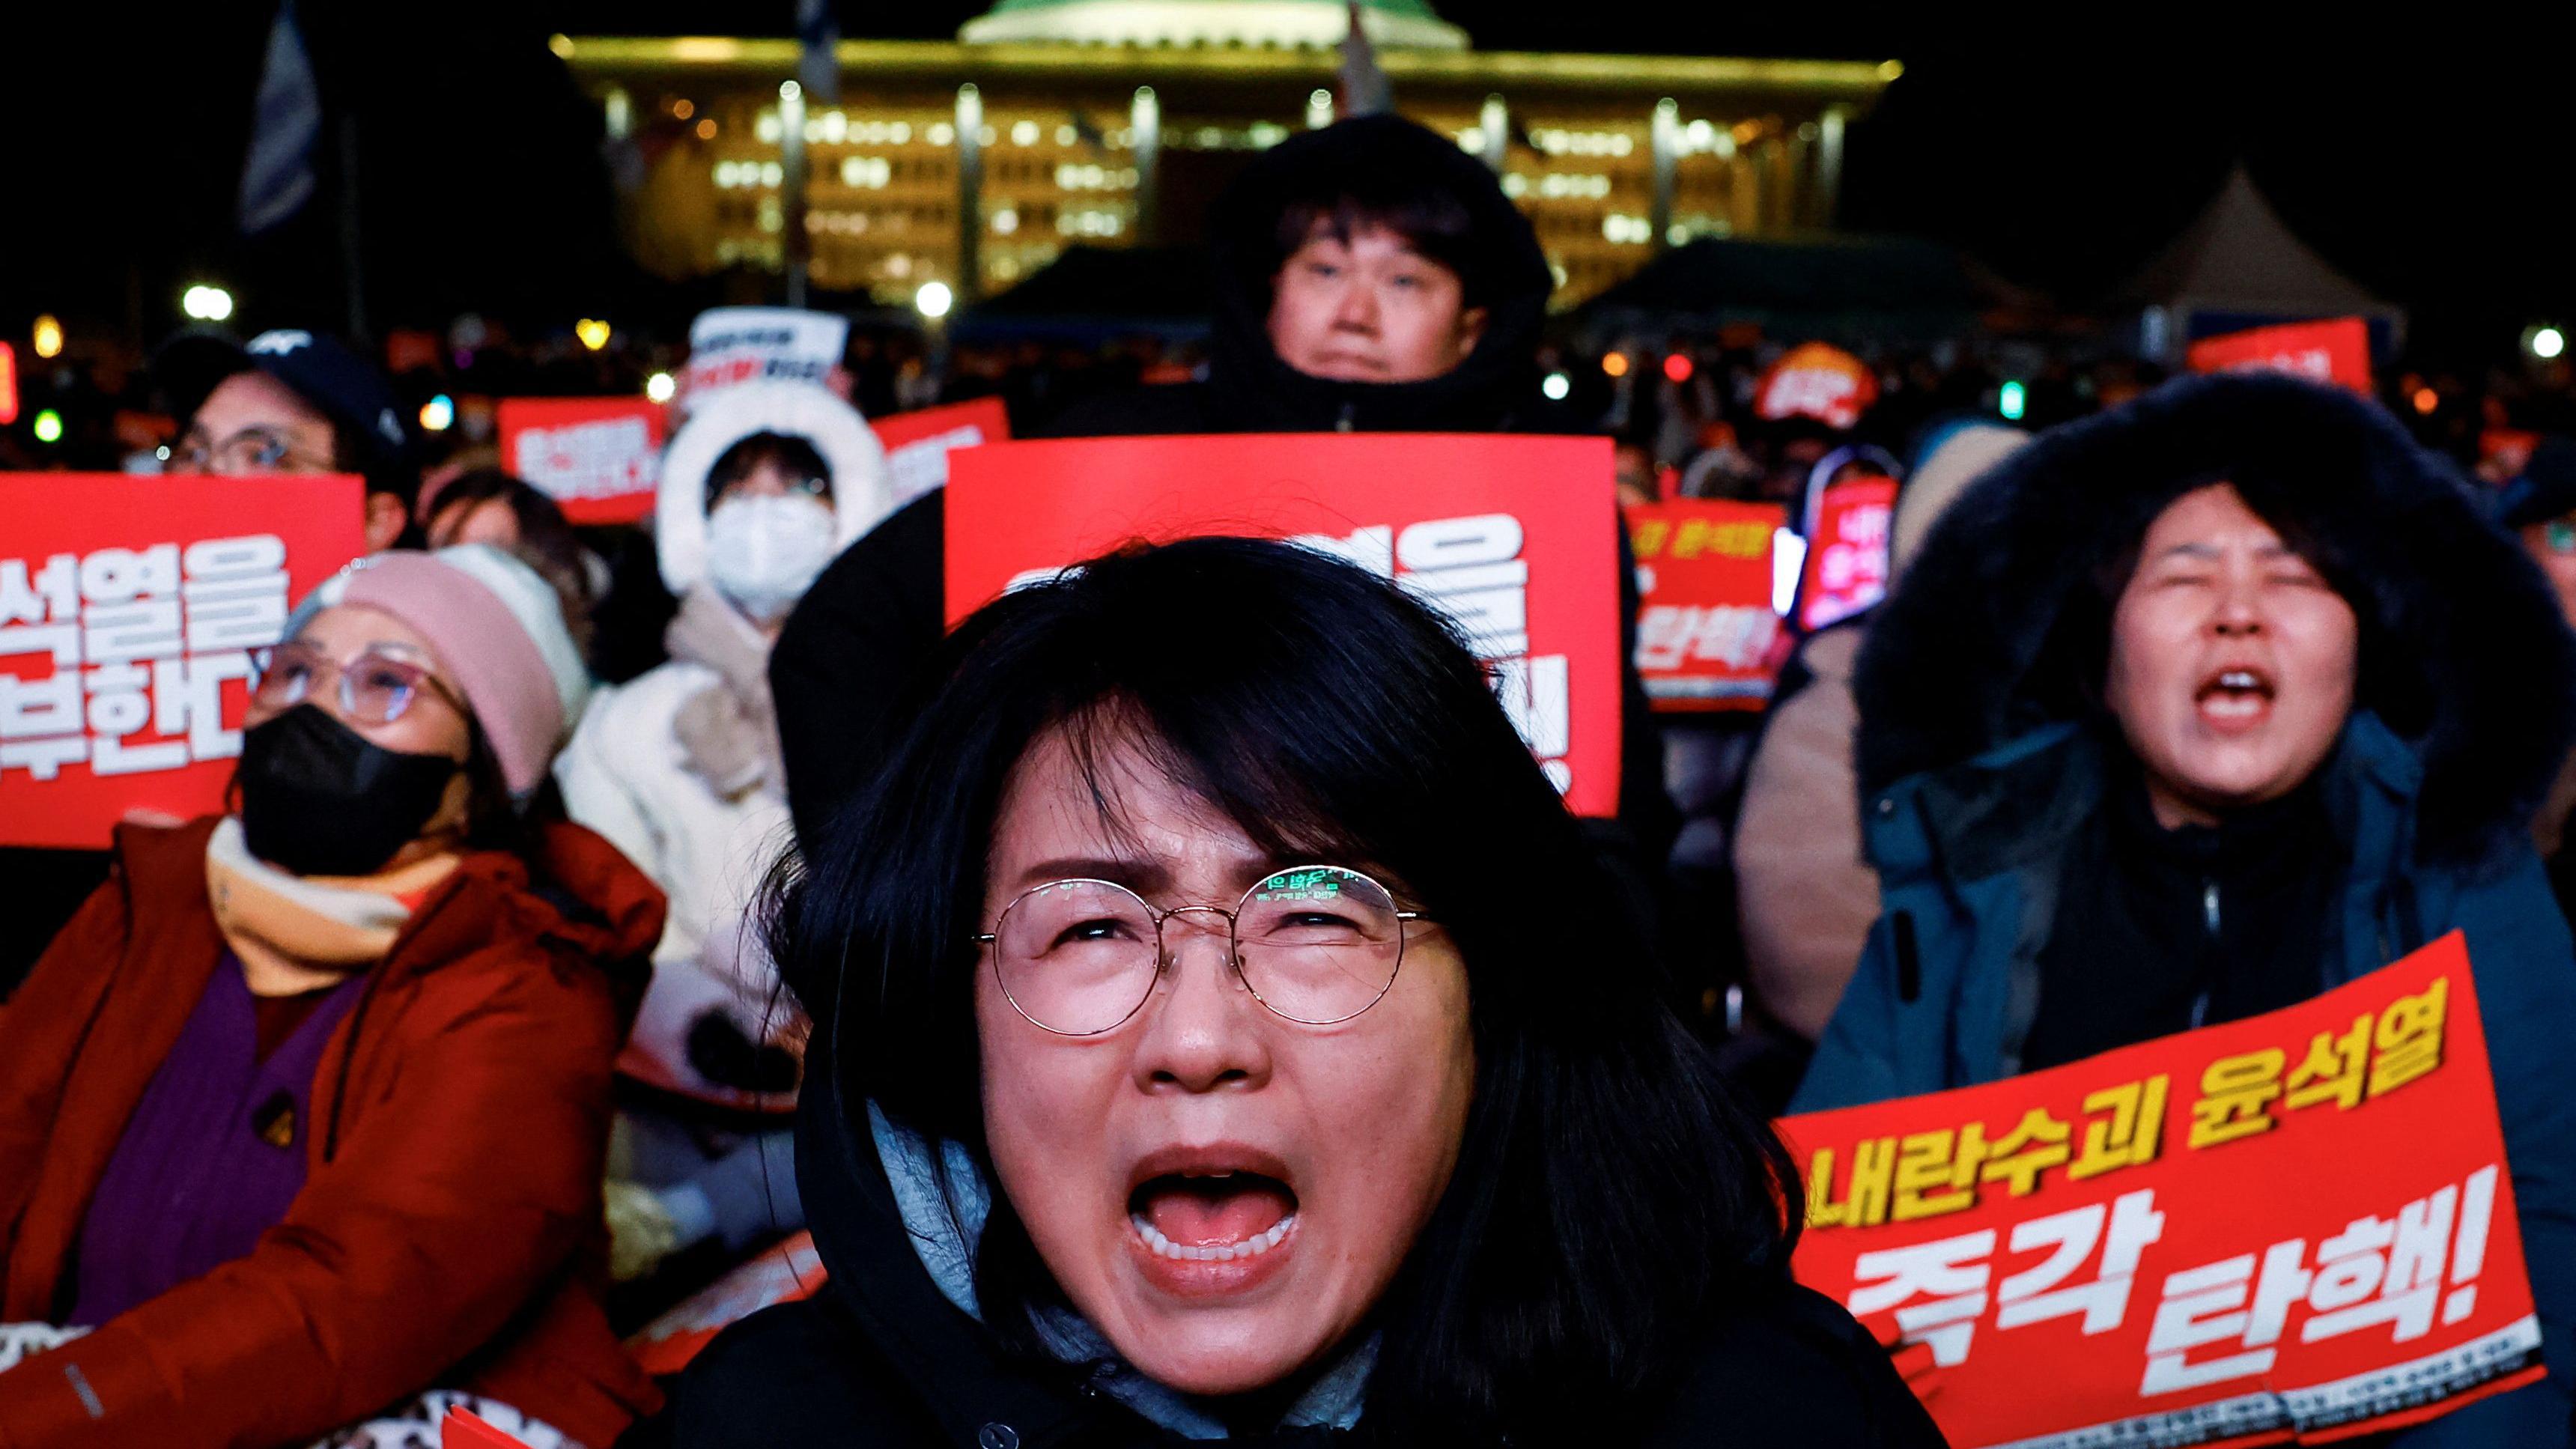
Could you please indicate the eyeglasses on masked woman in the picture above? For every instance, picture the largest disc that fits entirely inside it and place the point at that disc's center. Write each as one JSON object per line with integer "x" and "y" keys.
{"x": 375, "y": 688}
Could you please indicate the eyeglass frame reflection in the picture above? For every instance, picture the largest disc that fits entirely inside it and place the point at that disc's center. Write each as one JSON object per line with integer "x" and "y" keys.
{"x": 1164, "y": 959}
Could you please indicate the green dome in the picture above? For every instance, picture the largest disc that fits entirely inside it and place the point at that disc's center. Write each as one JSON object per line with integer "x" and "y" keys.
{"x": 1276, "y": 24}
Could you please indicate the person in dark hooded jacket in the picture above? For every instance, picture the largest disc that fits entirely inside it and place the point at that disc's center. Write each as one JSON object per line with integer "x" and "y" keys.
{"x": 1331, "y": 198}
{"x": 2195, "y": 710}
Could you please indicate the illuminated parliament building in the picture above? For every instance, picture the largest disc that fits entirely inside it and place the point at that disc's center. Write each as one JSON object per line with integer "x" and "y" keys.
{"x": 1048, "y": 124}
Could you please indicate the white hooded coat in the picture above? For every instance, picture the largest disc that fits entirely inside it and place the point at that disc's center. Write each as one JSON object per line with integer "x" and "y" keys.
{"x": 629, "y": 773}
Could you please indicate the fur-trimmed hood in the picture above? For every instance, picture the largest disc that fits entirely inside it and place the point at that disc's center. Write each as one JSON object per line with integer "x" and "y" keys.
{"x": 2464, "y": 653}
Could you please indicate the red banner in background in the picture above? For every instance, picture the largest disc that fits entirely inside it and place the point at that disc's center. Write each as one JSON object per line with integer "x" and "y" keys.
{"x": 599, "y": 457}
{"x": 917, "y": 444}
{"x": 1847, "y": 551}
{"x": 2336, "y": 351}
{"x": 1704, "y": 620}
{"x": 1510, "y": 536}
{"x": 2295, "y": 1226}
{"x": 1813, "y": 380}
{"x": 129, "y": 610}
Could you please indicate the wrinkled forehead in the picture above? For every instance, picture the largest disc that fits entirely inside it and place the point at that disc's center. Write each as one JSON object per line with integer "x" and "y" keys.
{"x": 1104, "y": 788}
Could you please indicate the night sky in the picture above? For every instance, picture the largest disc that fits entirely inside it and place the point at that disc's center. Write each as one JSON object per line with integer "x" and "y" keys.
{"x": 2440, "y": 180}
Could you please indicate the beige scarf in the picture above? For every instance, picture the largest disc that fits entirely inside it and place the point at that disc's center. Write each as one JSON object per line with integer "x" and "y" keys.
{"x": 728, "y": 731}
{"x": 303, "y": 933}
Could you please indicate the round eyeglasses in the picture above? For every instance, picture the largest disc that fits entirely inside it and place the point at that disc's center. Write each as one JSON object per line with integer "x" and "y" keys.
{"x": 1316, "y": 944}
{"x": 375, "y": 687}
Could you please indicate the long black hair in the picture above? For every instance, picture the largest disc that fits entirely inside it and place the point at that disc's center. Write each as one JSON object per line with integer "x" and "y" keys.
{"x": 1611, "y": 1194}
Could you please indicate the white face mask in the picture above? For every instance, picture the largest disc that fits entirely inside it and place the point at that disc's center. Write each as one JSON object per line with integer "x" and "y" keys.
{"x": 763, "y": 552}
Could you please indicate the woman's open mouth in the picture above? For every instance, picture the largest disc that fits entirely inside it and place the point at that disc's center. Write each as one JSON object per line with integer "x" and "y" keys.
{"x": 2235, "y": 698}
{"x": 1211, "y": 1226}
{"x": 1212, "y": 1218}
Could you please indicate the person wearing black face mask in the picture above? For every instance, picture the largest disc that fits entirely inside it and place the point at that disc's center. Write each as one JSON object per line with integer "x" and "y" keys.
{"x": 304, "y": 1114}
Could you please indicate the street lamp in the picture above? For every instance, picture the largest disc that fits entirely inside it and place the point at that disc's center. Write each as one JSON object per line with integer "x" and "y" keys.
{"x": 933, "y": 300}
{"x": 206, "y": 303}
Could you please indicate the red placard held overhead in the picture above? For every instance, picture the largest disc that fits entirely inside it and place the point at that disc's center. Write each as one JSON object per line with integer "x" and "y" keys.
{"x": 917, "y": 444}
{"x": 1847, "y": 550}
{"x": 1511, "y": 536}
{"x": 1705, "y": 625}
{"x": 129, "y": 610}
{"x": 2298, "y": 1225}
{"x": 2336, "y": 351}
{"x": 599, "y": 457}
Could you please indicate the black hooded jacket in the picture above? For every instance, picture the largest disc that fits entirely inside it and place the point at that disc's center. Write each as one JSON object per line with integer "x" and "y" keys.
{"x": 861, "y": 635}
{"x": 1992, "y": 809}
{"x": 880, "y": 1359}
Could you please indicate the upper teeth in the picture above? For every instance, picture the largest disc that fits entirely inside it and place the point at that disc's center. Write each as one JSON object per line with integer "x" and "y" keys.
{"x": 1164, "y": 1247}
{"x": 2238, "y": 679}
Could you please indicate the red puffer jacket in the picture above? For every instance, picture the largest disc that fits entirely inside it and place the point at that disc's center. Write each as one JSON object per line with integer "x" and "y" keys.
{"x": 449, "y": 1230}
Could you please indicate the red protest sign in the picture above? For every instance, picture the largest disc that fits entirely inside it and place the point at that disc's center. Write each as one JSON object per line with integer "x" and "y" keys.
{"x": 1704, "y": 620}
{"x": 1815, "y": 381}
{"x": 1510, "y": 536}
{"x": 2202, "y": 1239}
{"x": 599, "y": 457}
{"x": 461, "y": 1430}
{"x": 1847, "y": 543}
{"x": 917, "y": 444}
{"x": 788, "y": 1273}
{"x": 129, "y": 609}
{"x": 2336, "y": 351}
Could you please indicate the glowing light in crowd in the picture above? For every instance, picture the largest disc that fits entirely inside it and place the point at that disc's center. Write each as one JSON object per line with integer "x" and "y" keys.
{"x": 49, "y": 336}
{"x": 661, "y": 387}
{"x": 1556, "y": 386}
{"x": 2012, "y": 399}
{"x": 437, "y": 413}
{"x": 49, "y": 426}
{"x": 933, "y": 300}
{"x": 592, "y": 332}
{"x": 2546, "y": 343}
{"x": 1615, "y": 364}
{"x": 1678, "y": 367}
{"x": 8, "y": 385}
{"x": 1788, "y": 562}
{"x": 206, "y": 304}
{"x": 2426, "y": 399}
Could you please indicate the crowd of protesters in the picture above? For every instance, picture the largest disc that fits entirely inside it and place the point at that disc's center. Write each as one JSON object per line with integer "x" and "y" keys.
{"x": 595, "y": 907}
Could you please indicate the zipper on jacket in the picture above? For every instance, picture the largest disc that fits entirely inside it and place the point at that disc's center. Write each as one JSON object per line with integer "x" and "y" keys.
{"x": 2208, "y": 919}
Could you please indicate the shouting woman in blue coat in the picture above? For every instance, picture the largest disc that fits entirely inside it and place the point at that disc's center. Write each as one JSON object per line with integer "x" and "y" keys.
{"x": 2195, "y": 710}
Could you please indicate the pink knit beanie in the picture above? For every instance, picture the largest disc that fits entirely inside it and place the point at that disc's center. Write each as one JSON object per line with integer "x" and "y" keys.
{"x": 498, "y": 628}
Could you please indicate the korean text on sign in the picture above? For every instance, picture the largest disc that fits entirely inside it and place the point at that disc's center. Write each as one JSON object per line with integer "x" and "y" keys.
{"x": 917, "y": 444}
{"x": 129, "y": 612}
{"x": 2196, "y": 1239}
{"x": 1513, "y": 538}
{"x": 600, "y": 458}
{"x": 1706, "y": 630}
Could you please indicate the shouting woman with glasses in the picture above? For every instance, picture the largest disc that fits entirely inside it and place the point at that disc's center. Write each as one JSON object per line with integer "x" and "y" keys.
{"x": 1222, "y": 1031}
{"x": 303, "y": 1114}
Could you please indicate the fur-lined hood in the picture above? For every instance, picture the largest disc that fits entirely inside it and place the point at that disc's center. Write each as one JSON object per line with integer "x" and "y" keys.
{"x": 2464, "y": 653}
